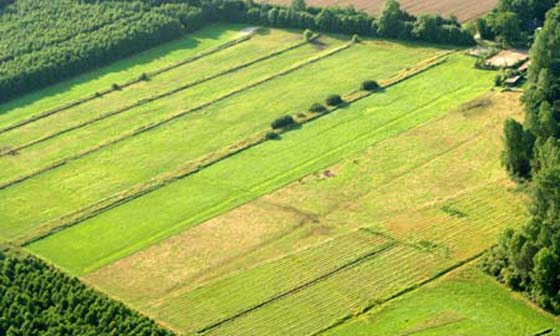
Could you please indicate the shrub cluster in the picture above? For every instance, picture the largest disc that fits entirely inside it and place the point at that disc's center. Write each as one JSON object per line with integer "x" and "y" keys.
{"x": 370, "y": 85}
{"x": 318, "y": 108}
{"x": 283, "y": 122}
{"x": 334, "y": 100}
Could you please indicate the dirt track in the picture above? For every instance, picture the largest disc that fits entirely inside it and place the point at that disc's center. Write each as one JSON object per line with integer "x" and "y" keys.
{"x": 465, "y": 10}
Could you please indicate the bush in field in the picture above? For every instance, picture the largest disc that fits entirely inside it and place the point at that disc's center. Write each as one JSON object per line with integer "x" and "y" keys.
{"x": 271, "y": 135}
{"x": 334, "y": 100}
{"x": 283, "y": 122}
{"x": 370, "y": 85}
{"x": 116, "y": 87}
{"x": 318, "y": 108}
{"x": 144, "y": 77}
{"x": 307, "y": 35}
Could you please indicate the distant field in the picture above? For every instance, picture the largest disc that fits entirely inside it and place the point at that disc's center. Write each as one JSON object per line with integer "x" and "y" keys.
{"x": 464, "y": 10}
{"x": 474, "y": 304}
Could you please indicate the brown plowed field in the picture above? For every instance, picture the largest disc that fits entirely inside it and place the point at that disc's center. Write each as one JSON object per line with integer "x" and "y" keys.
{"x": 465, "y": 10}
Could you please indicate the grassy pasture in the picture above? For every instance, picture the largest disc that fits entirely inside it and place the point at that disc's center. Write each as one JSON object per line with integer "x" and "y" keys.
{"x": 241, "y": 178}
{"x": 474, "y": 304}
{"x": 317, "y": 207}
{"x": 117, "y": 72}
{"x": 257, "y": 46}
{"x": 83, "y": 138}
{"x": 126, "y": 164}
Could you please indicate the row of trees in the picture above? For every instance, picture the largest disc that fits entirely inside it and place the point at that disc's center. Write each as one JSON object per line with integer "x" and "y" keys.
{"x": 46, "y": 41}
{"x": 513, "y": 22}
{"x": 68, "y": 37}
{"x": 36, "y": 299}
{"x": 529, "y": 259}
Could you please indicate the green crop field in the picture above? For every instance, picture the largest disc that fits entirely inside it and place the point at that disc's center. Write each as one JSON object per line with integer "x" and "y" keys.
{"x": 474, "y": 304}
{"x": 156, "y": 180}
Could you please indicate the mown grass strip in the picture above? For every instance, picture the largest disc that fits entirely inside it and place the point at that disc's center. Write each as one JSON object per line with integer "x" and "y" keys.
{"x": 59, "y": 224}
{"x": 166, "y": 120}
{"x": 301, "y": 287}
{"x": 14, "y": 150}
{"x": 104, "y": 92}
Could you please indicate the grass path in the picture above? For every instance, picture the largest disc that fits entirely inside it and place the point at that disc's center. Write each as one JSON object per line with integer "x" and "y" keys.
{"x": 242, "y": 177}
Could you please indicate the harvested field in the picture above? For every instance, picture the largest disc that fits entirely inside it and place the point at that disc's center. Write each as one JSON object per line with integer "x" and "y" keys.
{"x": 464, "y": 10}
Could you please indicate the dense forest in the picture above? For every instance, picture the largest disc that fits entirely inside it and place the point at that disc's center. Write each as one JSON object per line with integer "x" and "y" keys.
{"x": 528, "y": 260}
{"x": 36, "y": 299}
{"x": 46, "y": 41}
{"x": 513, "y": 22}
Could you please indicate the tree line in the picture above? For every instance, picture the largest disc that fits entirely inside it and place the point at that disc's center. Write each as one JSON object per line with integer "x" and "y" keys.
{"x": 513, "y": 22}
{"x": 528, "y": 259}
{"x": 44, "y": 42}
{"x": 36, "y": 299}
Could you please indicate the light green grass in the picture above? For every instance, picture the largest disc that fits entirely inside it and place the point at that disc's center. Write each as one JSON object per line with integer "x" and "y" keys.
{"x": 262, "y": 44}
{"x": 119, "y": 167}
{"x": 117, "y": 72}
{"x": 88, "y": 136}
{"x": 466, "y": 302}
{"x": 264, "y": 168}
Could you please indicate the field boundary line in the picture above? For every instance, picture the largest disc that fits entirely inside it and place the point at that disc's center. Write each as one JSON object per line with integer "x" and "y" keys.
{"x": 131, "y": 82}
{"x": 144, "y": 101}
{"x": 400, "y": 293}
{"x": 372, "y": 254}
{"x": 170, "y": 118}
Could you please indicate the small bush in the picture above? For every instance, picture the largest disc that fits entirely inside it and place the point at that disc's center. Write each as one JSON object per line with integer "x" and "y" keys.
{"x": 144, "y": 77}
{"x": 370, "y": 85}
{"x": 283, "y": 122}
{"x": 356, "y": 38}
{"x": 116, "y": 86}
{"x": 334, "y": 100}
{"x": 97, "y": 94}
{"x": 318, "y": 108}
{"x": 271, "y": 135}
{"x": 307, "y": 35}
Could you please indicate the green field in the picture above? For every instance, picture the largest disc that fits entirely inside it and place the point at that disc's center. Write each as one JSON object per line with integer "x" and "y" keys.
{"x": 131, "y": 162}
{"x": 473, "y": 304}
{"x": 118, "y": 72}
{"x": 165, "y": 194}
{"x": 299, "y": 153}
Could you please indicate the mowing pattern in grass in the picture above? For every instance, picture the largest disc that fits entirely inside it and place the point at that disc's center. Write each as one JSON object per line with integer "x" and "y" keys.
{"x": 213, "y": 305}
{"x": 241, "y": 177}
{"x": 396, "y": 175}
{"x": 305, "y": 312}
{"x": 466, "y": 302}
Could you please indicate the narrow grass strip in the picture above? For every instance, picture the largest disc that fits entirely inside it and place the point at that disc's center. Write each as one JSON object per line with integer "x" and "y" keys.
{"x": 102, "y": 93}
{"x": 166, "y": 120}
{"x": 144, "y": 101}
{"x": 61, "y": 223}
